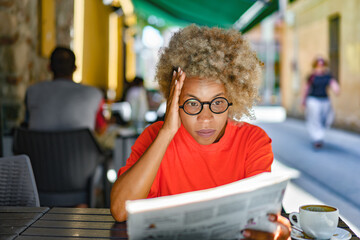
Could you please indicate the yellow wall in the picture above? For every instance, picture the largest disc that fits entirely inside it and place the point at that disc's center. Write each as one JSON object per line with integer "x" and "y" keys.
{"x": 116, "y": 55}
{"x": 48, "y": 31}
{"x": 130, "y": 53}
{"x": 95, "y": 46}
{"x": 103, "y": 46}
{"x": 308, "y": 36}
{"x": 121, "y": 53}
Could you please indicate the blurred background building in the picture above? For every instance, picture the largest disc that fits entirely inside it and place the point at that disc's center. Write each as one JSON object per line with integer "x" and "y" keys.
{"x": 115, "y": 40}
{"x": 329, "y": 28}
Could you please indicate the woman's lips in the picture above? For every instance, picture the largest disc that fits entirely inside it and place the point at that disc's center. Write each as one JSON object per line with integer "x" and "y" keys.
{"x": 205, "y": 133}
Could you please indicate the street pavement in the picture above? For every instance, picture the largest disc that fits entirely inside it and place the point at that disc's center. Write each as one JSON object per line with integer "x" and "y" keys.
{"x": 330, "y": 174}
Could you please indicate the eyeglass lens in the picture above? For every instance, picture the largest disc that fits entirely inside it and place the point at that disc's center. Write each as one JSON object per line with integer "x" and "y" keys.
{"x": 194, "y": 106}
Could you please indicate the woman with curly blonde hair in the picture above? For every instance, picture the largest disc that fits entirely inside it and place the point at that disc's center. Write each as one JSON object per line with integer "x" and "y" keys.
{"x": 214, "y": 54}
{"x": 208, "y": 77}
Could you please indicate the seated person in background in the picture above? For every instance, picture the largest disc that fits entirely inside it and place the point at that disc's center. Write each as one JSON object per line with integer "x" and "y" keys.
{"x": 202, "y": 143}
{"x": 62, "y": 104}
{"x": 136, "y": 96}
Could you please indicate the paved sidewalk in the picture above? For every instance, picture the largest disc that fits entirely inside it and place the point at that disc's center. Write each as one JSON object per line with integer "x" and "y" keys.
{"x": 330, "y": 174}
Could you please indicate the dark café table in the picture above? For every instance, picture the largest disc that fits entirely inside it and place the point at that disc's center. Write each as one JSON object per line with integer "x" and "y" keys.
{"x": 30, "y": 223}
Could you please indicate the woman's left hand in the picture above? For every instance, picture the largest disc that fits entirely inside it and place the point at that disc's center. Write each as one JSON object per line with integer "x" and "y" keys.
{"x": 282, "y": 231}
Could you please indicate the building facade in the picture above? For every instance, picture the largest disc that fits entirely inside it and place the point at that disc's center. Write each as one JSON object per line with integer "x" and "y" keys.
{"x": 101, "y": 35}
{"x": 328, "y": 28}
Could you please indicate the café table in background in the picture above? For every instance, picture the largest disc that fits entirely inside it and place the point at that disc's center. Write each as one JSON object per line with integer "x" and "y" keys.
{"x": 30, "y": 223}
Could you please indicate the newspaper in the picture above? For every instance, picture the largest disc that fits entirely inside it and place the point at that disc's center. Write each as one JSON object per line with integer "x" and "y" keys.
{"x": 216, "y": 213}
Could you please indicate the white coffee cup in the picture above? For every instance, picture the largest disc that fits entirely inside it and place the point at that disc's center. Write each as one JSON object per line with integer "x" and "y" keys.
{"x": 316, "y": 221}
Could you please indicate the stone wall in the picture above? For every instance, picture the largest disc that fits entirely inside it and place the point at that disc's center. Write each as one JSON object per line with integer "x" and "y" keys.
{"x": 64, "y": 21}
{"x": 20, "y": 61}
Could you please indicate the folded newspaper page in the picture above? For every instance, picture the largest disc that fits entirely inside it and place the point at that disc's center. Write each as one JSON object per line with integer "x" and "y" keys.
{"x": 216, "y": 213}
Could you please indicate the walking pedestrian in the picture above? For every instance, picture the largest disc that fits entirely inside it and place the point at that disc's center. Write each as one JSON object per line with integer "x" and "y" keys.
{"x": 319, "y": 112}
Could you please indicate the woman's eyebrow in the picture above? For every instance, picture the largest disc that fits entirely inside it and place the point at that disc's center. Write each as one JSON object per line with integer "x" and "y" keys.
{"x": 219, "y": 94}
{"x": 193, "y": 96}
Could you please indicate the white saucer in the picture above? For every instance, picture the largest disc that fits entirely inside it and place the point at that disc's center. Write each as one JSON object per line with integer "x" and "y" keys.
{"x": 340, "y": 234}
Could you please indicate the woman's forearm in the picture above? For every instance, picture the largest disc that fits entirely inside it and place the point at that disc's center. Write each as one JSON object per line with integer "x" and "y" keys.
{"x": 136, "y": 182}
{"x": 304, "y": 94}
{"x": 335, "y": 87}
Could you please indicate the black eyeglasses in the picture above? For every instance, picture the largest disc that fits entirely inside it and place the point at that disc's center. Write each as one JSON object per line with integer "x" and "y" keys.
{"x": 193, "y": 106}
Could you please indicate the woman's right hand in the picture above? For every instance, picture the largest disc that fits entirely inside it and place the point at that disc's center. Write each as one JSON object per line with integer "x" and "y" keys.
{"x": 172, "y": 120}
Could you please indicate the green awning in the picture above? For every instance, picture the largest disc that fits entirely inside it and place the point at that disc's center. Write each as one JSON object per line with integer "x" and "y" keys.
{"x": 221, "y": 13}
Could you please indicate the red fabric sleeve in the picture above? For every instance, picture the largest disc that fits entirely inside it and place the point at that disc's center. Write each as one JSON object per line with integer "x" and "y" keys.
{"x": 259, "y": 153}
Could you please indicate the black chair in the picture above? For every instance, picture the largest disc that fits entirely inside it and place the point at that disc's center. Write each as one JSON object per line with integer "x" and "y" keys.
{"x": 69, "y": 166}
{"x": 1, "y": 133}
{"x": 17, "y": 182}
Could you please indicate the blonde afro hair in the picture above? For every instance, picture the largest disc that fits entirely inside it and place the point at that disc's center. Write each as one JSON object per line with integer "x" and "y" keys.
{"x": 213, "y": 54}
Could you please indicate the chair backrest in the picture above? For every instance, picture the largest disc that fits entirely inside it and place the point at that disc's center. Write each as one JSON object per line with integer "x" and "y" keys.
{"x": 1, "y": 133}
{"x": 17, "y": 182}
{"x": 122, "y": 150}
{"x": 63, "y": 161}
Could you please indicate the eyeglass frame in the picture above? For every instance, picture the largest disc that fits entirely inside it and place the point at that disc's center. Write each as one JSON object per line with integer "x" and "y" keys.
{"x": 203, "y": 103}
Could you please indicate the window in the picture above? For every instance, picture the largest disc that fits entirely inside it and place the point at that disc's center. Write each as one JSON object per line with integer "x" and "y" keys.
{"x": 334, "y": 43}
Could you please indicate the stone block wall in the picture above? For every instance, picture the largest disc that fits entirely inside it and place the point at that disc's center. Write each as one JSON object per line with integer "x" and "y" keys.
{"x": 20, "y": 61}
